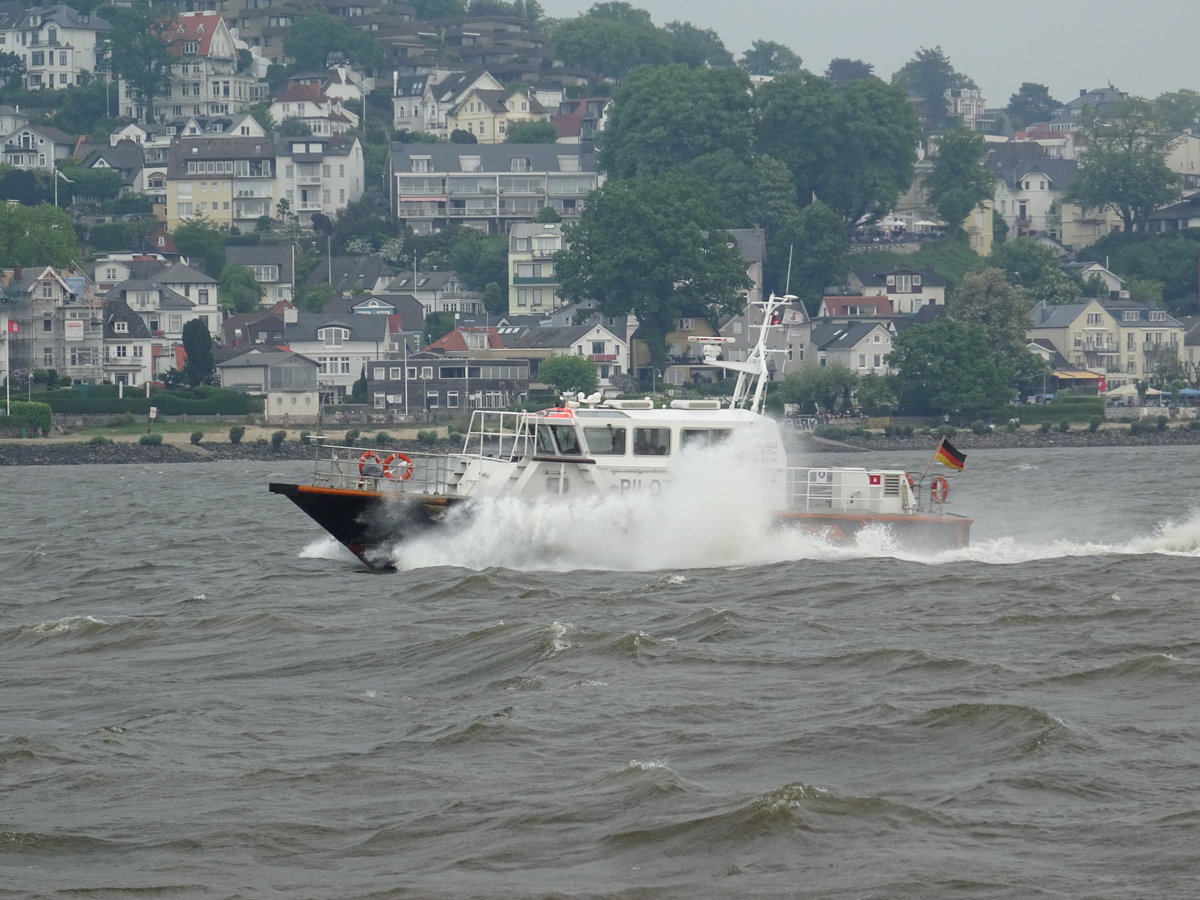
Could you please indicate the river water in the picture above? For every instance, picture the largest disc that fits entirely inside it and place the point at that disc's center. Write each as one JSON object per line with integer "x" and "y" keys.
{"x": 200, "y": 696}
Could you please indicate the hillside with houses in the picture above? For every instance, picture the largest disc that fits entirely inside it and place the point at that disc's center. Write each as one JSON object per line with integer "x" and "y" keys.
{"x": 367, "y": 205}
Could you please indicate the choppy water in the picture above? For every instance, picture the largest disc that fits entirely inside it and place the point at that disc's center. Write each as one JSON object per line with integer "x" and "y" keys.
{"x": 201, "y": 697}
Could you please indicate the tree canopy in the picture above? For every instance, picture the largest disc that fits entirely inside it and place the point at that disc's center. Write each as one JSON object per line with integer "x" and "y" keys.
{"x": 137, "y": 49}
{"x": 612, "y": 39}
{"x": 1031, "y": 103}
{"x": 770, "y": 58}
{"x": 656, "y": 247}
{"x": 957, "y": 183}
{"x": 859, "y": 179}
{"x": 35, "y": 235}
{"x": 1004, "y": 310}
{"x": 929, "y": 75}
{"x": 1034, "y": 267}
{"x": 820, "y": 389}
{"x": 841, "y": 70}
{"x": 949, "y": 367}
{"x": 1124, "y": 167}
{"x": 198, "y": 347}
{"x": 653, "y": 126}
{"x": 697, "y": 47}
{"x": 569, "y": 374}
{"x": 202, "y": 241}
{"x": 535, "y": 131}
{"x": 239, "y": 291}
{"x": 319, "y": 38}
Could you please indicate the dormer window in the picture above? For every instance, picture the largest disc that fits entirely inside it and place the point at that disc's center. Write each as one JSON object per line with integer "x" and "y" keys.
{"x": 333, "y": 337}
{"x": 1157, "y": 315}
{"x": 120, "y": 328}
{"x": 1130, "y": 315}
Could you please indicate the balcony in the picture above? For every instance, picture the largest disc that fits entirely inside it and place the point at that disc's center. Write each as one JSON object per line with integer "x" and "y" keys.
{"x": 603, "y": 357}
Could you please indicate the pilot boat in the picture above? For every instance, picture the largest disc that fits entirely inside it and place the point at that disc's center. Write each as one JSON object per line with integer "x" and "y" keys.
{"x": 371, "y": 499}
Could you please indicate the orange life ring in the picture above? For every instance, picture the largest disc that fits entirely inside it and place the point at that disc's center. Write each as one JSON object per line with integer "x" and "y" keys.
{"x": 939, "y": 489}
{"x": 368, "y": 456}
{"x": 558, "y": 412}
{"x": 911, "y": 483}
{"x": 403, "y": 463}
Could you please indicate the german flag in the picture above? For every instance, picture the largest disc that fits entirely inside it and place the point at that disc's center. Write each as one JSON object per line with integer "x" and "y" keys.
{"x": 949, "y": 457}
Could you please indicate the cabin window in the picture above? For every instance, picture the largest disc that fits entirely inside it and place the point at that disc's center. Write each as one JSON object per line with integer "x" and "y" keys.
{"x": 651, "y": 441}
{"x": 702, "y": 437}
{"x": 606, "y": 441}
{"x": 557, "y": 440}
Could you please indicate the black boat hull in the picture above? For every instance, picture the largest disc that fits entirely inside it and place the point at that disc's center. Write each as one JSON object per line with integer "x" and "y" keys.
{"x": 367, "y": 523}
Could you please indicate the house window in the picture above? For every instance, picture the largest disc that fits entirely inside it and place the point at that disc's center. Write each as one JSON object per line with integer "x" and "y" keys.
{"x": 333, "y": 337}
{"x": 47, "y": 324}
{"x": 597, "y": 348}
{"x": 120, "y": 327}
{"x": 137, "y": 351}
{"x": 452, "y": 399}
{"x": 394, "y": 373}
{"x": 410, "y": 372}
{"x": 431, "y": 399}
{"x": 426, "y": 371}
{"x": 1093, "y": 318}
{"x": 686, "y": 324}
{"x": 379, "y": 401}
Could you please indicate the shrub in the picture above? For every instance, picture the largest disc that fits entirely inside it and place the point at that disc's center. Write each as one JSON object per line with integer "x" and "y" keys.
{"x": 197, "y": 437}
{"x": 304, "y": 436}
{"x": 99, "y": 440}
{"x": 979, "y": 427}
{"x": 1094, "y": 424}
{"x": 1136, "y": 427}
{"x": 1193, "y": 425}
{"x": 908, "y": 431}
{"x": 383, "y": 439}
{"x": 428, "y": 436}
{"x": 1160, "y": 424}
{"x": 1044, "y": 428}
{"x": 236, "y": 433}
{"x": 946, "y": 431}
{"x": 1013, "y": 427}
{"x": 352, "y": 435}
{"x": 277, "y": 438}
{"x": 260, "y": 442}
{"x": 1064, "y": 426}
{"x": 150, "y": 439}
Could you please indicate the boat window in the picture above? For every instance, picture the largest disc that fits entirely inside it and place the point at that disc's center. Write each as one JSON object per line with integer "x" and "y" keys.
{"x": 557, "y": 440}
{"x": 651, "y": 441}
{"x": 605, "y": 441}
{"x": 703, "y": 437}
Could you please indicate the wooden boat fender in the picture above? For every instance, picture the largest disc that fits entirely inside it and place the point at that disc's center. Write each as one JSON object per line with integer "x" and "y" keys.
{"x": 939, "y": 489}
{"x": 397, "y": 465}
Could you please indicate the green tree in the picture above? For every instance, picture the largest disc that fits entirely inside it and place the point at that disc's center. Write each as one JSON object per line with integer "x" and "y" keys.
{"x": 478, "y": 258}
{"x": 656, "y": 247}
{"x": 1004, "y": 310}
{"x": 875, "y": 394}
{"x": 569, "y": 374}
{"x": 1124, "y": 167}
{"x": 438, "y": 325}
{"x": 653, "y": 127}
{"x": 1034, "y": 267}
{"x": 808, "y": 254}
{"x": 1169, "y": 259}
{"x": 318, "y": 39}
{"x": 202, "y": 241}
{"x": 198, "y": 347}
{"x": 769, "y": 58}
{"x": 697, "y": 47}
{"x": 949, "y": 367}
{"x": 1178, "y": 111}
{"x": 841, "y": 70}
{"x": 364, "y": 219}
{"x": 1031, "y": 103}
{"x": 611, "y": 39}
{"x": 12, "y": 67}
{"x": 820, "y": 388}
{"x": 291, "y": 126}
{"x": 35, "y": 235}
{"x": 239, "y": 291}
{"x": 535, "y": 131}
{"x": 957, "y": 183}
{"x": 137, "y": 49}
{"x": 929, "y": 75}
{"x": 494, "y": 300}
{"x": 425, "y": 10}
{"x": 861, "y": 179}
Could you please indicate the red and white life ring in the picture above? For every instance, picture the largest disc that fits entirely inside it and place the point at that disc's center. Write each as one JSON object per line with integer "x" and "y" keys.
{"x": 403, "y": 466}
{"x": 939, "y": 489}
{"x": 369, "y": 456}
{"x": 911, "y": 483}
{"x": 558, "y": 412}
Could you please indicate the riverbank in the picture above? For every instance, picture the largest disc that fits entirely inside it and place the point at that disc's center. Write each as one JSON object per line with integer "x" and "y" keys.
{"x": 60, "y": 450}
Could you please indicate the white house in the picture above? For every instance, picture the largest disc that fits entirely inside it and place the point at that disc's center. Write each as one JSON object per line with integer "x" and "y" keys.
{"x": 56, "y": 43}
{"x": 342, "y": 345}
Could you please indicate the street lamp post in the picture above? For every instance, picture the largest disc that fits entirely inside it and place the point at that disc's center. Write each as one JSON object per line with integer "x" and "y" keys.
{"x": 654, "y": 376}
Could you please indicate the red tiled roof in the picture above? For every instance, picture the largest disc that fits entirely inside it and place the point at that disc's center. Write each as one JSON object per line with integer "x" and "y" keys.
{"x": 197, "y": 27}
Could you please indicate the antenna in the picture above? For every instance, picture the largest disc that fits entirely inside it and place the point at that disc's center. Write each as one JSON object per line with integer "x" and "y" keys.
{"x": 787, "y": 282}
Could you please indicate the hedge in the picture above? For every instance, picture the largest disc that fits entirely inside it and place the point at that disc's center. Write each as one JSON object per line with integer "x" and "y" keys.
{"x": 33, "y": 416}
{"x": 217, "y": 403}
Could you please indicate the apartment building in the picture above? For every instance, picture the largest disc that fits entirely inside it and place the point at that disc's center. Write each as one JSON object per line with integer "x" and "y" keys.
{"x": 58, "y": 44}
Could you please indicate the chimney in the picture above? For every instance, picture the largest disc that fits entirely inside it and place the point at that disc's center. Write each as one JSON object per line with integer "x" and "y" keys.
{"x": 1083, "y": 92}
